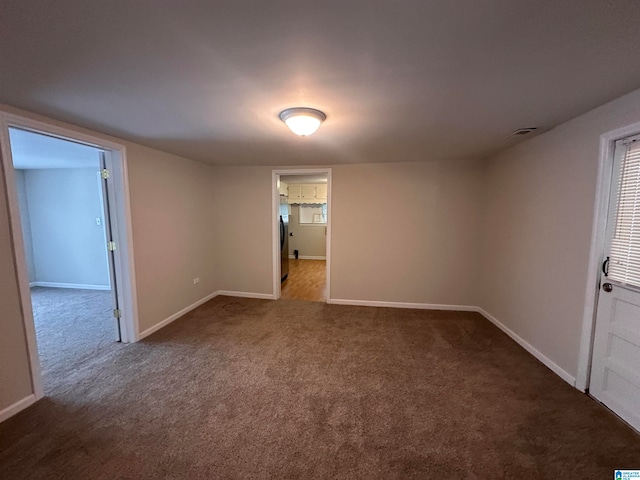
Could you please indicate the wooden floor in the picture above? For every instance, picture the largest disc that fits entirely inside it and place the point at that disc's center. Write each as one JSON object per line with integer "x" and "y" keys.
{"x": 307, "y": 280}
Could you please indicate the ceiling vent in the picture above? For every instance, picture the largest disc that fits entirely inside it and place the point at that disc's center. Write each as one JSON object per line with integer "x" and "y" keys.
{"x": 521, "y": 132}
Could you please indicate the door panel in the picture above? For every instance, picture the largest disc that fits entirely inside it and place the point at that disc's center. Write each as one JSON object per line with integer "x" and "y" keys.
{"x": 615, "y": 379}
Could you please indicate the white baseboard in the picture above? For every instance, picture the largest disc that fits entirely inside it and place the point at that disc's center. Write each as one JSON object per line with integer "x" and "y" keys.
{"x": 420, "y": 306}
{"x": 554, "y": 367}
{"x": 175, "y": 316}
{"x": 69, "y": 285}
{"x": 229, "y": 293}
{"x": 20, "y": 405}
{"x": 308, "y": 257}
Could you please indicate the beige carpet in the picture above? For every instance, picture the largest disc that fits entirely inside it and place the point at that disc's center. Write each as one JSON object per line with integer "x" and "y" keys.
{"x": 243, "y": 388}
{"x": 73, "y": 327}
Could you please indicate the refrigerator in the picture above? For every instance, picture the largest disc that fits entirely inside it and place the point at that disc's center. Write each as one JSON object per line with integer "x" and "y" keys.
{"x": 284, "y": 237}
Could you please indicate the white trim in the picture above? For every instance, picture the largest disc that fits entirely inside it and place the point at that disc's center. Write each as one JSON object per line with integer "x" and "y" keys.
{"x": 275, "y": 231}
{"x": 19, "y": 256}
{"x": 275, "y": 234}
{"x": 230, "y": 293}
{"x": 596, "y": 252}
{"x": 419, "y": 306}
{"x": 20, "y": 405}
{"x": 554, "y": 367}
{"x": 309, "y": 257}
{"x": 69, "y": 285}
{"x": 176, "y": 315}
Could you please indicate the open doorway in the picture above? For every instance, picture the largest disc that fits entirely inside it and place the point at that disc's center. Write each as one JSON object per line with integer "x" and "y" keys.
{"x": 65, "y": 230}
{"x": 303, "y": 224}
{"x": 71, "y": 236}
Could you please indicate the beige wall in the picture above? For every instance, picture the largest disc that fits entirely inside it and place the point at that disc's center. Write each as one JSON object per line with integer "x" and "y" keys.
{"x": 407, "y": 232}
{"x": 174, "y": 236}
{"x": 537, "y": 230}
{"x": 309, "y": 240}
{"x": 243, "y": 215}
{"x": 174, "y": 241}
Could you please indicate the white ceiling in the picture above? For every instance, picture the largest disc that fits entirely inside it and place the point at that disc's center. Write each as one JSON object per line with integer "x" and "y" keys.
{"x": 34, "y": 151}
{"x": 295, "y": 179}
{"x": 399, "y": 81}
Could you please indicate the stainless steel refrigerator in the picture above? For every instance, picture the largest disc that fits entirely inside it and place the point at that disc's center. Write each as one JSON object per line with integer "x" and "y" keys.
{"x": 284, "y": 237}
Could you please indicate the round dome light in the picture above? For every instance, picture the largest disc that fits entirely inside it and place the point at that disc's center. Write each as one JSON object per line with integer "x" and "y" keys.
{"x": 302, "y": 121}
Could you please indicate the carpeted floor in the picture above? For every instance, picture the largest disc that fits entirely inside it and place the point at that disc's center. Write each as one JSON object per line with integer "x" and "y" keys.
{"x": 73, "y": 327}
{"x": 244, "y": 388}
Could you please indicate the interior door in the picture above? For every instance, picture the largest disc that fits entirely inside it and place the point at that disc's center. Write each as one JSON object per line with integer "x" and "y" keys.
{"x": 615, "y": 371}
{"x": 107, "y": 192}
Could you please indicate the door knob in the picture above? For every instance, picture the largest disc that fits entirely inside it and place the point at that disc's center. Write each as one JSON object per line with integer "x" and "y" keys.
{"x": 607, "y": 287}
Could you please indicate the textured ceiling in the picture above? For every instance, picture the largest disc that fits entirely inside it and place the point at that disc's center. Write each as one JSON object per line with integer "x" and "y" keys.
{"x": 399, "y": 81}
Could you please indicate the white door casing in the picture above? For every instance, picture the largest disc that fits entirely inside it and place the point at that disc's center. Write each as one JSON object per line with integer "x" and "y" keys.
{"x": 275, "y": 230}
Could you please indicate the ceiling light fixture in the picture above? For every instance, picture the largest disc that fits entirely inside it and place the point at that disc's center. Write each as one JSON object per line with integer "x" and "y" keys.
{"x": 302, "y": 121}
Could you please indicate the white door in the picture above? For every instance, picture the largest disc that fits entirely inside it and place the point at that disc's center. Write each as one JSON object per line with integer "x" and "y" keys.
{"x": 107, "y": 196}
{"x": 615, "y": 370}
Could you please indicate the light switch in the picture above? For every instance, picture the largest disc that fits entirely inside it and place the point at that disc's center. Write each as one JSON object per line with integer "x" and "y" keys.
{"x": 98, "y": 221}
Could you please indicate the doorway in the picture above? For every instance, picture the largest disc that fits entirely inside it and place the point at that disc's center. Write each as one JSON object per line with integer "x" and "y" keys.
{"x": 64, "y": 230}
{"x": 303, "y": 219}
{"x": 70, "y": 227}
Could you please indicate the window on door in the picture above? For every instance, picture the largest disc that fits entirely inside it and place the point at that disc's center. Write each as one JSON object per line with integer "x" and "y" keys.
{"x": 624, "y": 251}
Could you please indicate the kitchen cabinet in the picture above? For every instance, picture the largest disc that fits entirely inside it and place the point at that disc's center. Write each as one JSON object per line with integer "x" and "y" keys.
{"x": 282, "y": 189}
{"x": 321, "y": 192}
{"x": 307, "y": 193}
{"x": 295, "y": 193}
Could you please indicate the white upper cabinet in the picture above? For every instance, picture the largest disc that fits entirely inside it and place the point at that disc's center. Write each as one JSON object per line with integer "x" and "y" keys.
{"x": 307, "y": 193}
{"x": 295, "y": 193}
{"x": 321, "y": 191}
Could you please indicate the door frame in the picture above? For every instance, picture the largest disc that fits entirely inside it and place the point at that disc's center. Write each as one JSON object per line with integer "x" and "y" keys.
{"x": 275, "y": 230}
{"x": 116, "y": 158}
{"x": 596, "y": 252}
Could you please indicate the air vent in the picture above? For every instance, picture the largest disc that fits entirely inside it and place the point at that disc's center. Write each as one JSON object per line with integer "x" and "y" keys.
{"x": 521, "y": 132}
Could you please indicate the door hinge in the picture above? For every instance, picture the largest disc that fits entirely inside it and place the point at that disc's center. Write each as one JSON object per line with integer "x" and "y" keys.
{"x": 117, "y": 313}
{"x": 111, "y": 246}
{"x": 104, "y": 173}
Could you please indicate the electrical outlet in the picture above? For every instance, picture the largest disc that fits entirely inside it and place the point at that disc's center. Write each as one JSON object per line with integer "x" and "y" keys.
{"x": 196, "y": 281}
